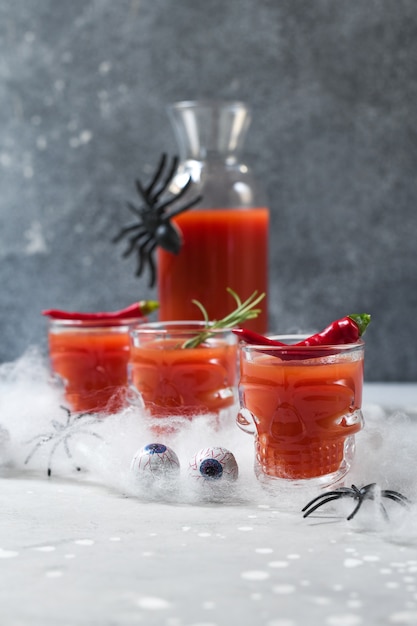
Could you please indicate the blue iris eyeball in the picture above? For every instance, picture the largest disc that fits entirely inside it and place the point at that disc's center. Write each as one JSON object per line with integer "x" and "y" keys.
{"x": 155, "y": 460}
{"x": 213, "y": 465}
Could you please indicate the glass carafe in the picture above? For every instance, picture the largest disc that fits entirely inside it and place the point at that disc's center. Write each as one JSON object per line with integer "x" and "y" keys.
{"x": 225, "y": 235}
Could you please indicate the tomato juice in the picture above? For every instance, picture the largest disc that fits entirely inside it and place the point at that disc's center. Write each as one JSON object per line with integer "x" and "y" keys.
{"x": 173, "y": 380}
{"x": 304, "y": 410}
{"x": 221, "y": 248}
{"x": 92, "y": 362}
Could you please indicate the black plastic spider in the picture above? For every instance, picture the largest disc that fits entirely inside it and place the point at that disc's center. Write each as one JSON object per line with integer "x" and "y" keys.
{"x": 155, "y": 227}
{"x": 74, "y": 425}
{"x": 369, "y": 492}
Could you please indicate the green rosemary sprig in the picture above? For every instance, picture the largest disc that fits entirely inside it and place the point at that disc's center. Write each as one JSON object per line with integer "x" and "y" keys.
{"x": 243, "y": 311}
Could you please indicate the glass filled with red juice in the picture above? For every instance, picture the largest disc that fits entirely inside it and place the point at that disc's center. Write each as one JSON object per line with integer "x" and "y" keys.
{"x": 222, "y": 247}
{"x": 91, "y": 359}
{"x": 174, "y": 380}
{"x": 304, "y": 407}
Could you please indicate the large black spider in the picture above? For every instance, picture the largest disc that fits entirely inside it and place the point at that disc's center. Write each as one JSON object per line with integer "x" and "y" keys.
{"x": 369, "y": 492}
{"x": 74, "y": 425}
{"x": 154, "y": 227}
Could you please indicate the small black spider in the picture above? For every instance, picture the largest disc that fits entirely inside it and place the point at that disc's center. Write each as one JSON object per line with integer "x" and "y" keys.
{"x": 154, "y": 227}
{"x": 74, "y": 425}
{"x": 369, "y": 492}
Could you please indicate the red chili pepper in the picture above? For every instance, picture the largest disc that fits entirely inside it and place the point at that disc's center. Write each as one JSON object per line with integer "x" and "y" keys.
{"x": 251, "y": 337}
{"x": 345, "y": 330}
{"x": 137, "y": 309}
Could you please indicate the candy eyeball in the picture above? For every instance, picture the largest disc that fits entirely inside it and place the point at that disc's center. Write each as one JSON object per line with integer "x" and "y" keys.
{"x": 214, "y": 465}
{"x": 155, "y": 461}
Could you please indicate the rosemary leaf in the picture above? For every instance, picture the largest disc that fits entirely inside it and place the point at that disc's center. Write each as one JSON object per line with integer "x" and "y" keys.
{"x": 243, "y": 311}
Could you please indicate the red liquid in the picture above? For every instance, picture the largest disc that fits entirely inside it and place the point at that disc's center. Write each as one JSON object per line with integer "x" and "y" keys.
{"x": 304, "y": 413}
{"x": 93, "y": 365}
{"x": 221, "y": 248}
{"x": 179, "y": 381}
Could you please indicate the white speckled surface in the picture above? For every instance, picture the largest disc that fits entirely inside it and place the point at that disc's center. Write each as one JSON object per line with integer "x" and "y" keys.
{"x": 75, "y": 553}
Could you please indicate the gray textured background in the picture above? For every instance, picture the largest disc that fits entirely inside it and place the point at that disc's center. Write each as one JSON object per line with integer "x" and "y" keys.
{"x": 333, "y": 88}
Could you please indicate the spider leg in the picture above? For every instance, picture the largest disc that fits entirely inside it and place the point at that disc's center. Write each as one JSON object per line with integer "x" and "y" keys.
{"x": 147, "y": 190}
{"x": 85, "y": 414}
{"x": 92, "y": 420}
{"x": 145, "y": 255}
{"x": 51, "y": 454}
{"x": 68, "y": 451}
{"x": 45, "y": 438}
{"x": 325, "y": 498}
{"x": 335, "y": 492}
{"x": 395, "y": 496}
{"x": 356, "y": 509}
{"x": 383, "y": 511}
{"x": 177, "y": 197}
{"x": 133, "y": 241}
{"x": 368, "y": 489}
{"x": 34, "y": 450}
{"x": 64, "y": 442}
{"x": 87, "y": 432}
{"x": 174, "y": 197}
{"x": 125, "y": 231}
{"x": 67, "y": 411}
{"x": 66, "y": 446}
{"x": 152, "y": 269}
{"x": 142, "y": 254}
{"x": 167, "y": 180}
{"x": 365, "y": 493}
{"x": 185, "y": 207}
{"x": 134, "y": 209}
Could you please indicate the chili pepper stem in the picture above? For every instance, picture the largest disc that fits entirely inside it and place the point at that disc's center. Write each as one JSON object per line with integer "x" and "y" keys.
{"x": 361, "y": 320}
{"x": 148, "y": 306}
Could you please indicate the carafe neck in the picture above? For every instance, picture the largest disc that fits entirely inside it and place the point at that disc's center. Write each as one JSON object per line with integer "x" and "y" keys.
{"x": 210, "y": 130}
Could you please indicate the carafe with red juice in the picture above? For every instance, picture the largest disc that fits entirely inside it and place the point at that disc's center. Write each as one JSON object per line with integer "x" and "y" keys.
{"x": 225, "y": 235}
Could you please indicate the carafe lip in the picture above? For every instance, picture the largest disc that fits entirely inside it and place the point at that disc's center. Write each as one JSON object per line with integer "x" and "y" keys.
{"x": 209, "y": 103}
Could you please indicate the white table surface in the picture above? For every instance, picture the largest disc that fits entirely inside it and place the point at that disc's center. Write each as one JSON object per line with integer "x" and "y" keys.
{"x": 83, "y": 551}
